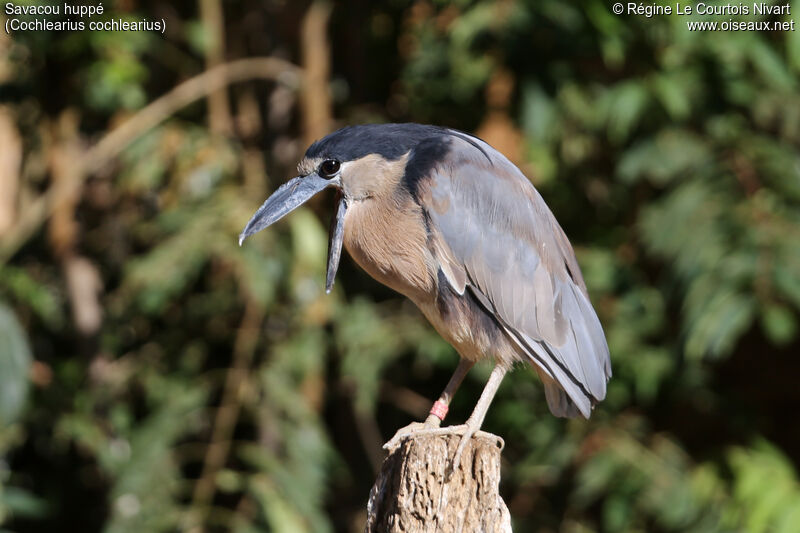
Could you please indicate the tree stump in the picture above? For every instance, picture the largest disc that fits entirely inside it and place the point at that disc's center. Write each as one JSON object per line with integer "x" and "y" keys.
{"x": 413, "y": 492}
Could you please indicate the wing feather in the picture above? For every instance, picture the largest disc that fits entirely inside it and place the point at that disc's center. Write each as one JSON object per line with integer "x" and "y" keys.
{"x": 499, "y": 239}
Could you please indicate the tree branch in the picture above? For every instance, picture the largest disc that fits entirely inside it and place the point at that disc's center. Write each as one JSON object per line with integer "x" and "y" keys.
{"x": 184, "y": 94}
{"x": 147, "y": 118}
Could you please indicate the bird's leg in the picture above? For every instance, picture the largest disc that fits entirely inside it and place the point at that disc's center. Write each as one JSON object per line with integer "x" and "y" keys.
{"x": 475, "y": 420}
{"x": 439, "y": 408}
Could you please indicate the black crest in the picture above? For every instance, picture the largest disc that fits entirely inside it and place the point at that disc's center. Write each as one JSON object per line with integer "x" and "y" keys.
{"x": 390, "y": 141}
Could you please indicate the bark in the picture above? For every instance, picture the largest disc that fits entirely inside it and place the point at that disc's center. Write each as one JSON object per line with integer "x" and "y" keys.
{"x": 413, "y": 492}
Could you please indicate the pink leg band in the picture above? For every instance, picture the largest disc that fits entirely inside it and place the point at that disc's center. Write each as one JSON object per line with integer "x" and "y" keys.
{"x": 439, "y": 409}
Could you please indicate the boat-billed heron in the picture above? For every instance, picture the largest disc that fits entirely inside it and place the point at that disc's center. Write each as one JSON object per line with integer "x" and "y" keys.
{"x": 445, "y": 219}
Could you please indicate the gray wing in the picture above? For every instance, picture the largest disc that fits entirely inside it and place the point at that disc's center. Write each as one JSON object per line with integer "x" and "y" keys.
{"x": 500, "y": 241}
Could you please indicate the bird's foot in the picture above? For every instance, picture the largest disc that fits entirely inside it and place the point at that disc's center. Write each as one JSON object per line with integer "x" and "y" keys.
{"x": 411, "y": 430}
{"x": 418, "y": 429}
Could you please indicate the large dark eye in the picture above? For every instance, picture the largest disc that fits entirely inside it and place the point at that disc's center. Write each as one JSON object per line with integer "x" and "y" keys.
{"x": 329, "y": 168}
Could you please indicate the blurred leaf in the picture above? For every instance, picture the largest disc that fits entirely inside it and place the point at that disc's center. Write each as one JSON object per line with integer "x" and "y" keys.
{"x": 538, "y": 117}
{"x": 38, "y": 296}
{"x": 673, "y": 91}
{"x": 780, "y": 324}
{"x": 21, "y": 503}
{"x": 368, "y": 343}
{"x": 674, "y": 154}
{"x": 766, "y": 60}
{"x": 766, "y": 487}
{"x": 15, "y": 364}
{"x": 625, "y": 103}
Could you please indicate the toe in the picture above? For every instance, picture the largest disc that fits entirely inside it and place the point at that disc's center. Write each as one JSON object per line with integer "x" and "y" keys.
{"x": 465, "y": 438}
{"x": 402, "y": 433}
{"x": 418, "y": 429}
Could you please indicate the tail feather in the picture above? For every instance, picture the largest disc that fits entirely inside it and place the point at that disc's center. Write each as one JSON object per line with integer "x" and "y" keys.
{"x": 558, "y": 401}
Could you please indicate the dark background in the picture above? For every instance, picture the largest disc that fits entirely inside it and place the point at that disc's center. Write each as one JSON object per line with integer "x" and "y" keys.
{"x": 156, "y": 377}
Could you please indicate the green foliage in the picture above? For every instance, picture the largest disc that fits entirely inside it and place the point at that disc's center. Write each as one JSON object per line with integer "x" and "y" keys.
{"x": 15, "y": 363}
{"x": 139, "y": 454}
{"x": 765, "y": 489}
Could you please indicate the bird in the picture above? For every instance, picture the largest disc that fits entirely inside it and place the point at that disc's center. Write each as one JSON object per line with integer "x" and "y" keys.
{"x": 443, "y": 218}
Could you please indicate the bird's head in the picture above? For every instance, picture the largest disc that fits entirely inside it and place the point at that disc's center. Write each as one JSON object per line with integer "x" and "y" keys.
{"x": 363, "y": 162}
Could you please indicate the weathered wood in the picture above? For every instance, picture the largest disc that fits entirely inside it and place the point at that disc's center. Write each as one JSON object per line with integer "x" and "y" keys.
{"x": 413, "y": 493}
